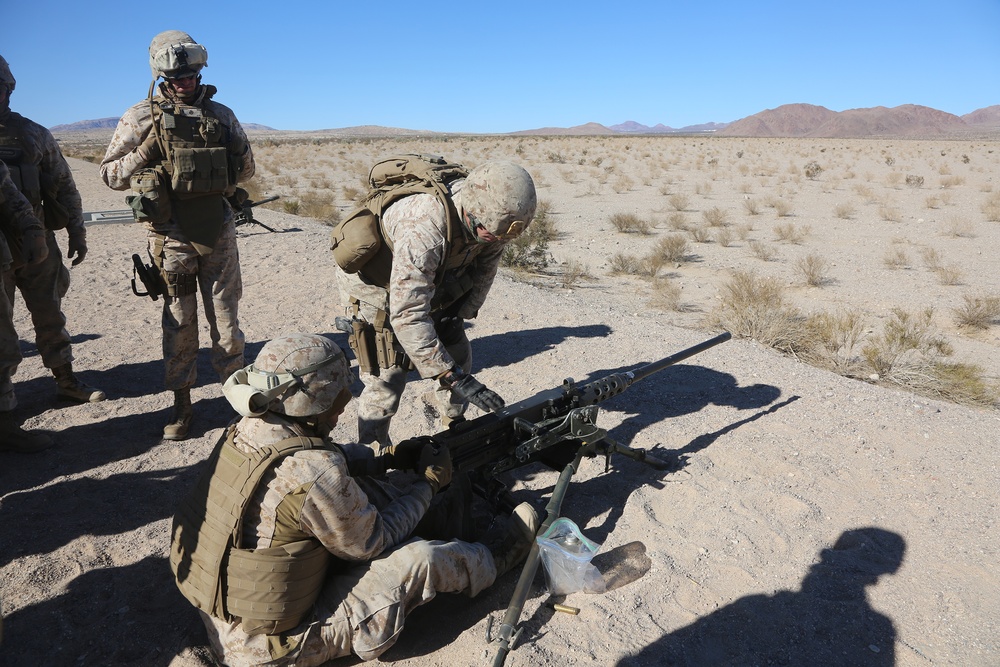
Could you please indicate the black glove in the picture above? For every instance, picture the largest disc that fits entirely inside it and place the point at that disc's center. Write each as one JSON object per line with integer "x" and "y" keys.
{"x": 77, "y": 245}
{"x": 474, "y": 391}
{"x": 405, "y": 455}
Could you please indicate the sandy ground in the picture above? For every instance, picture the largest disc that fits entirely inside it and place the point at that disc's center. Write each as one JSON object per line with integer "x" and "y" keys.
{"x": 807, "y": 519}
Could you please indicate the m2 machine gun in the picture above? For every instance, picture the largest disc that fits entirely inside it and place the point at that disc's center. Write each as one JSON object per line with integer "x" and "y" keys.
{"x": 557, "y": 427}
{"x": 244, "y": 212}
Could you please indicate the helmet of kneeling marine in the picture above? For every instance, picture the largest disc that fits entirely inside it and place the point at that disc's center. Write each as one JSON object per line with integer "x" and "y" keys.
{"x": 297, "y": 375}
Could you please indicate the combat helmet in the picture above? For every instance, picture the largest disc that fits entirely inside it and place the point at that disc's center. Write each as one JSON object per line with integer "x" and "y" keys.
{"x": 297, "y": 375}
{"x": 500, "y": 196}
{"x": 6, "y": 77}
{"x": 173, "y": 54}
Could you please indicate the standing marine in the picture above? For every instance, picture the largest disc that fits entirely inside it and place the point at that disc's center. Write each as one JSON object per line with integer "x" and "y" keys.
{"x": 182, "y": 154}
{"x": 446, "y": 243}
{"x": 297, "y": 550}
{"x": 41, "y": 173}
{"x": 17, "y": 222}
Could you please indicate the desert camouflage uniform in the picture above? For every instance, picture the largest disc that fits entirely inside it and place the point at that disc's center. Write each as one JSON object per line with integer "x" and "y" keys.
{"x": 219, "y": 279}
{"x": 377, "y": 577}
{"x": 44, "y": 285}
{"x": 15, "y": 216}
{"x": 418, "y": 228}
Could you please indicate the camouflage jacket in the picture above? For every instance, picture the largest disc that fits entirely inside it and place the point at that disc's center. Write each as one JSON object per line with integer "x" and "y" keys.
{"x": 16, "y": 215}
{"x": 42, "y": 150}
{"x": 418, "y": 228}
{"x": 334, "y": 506}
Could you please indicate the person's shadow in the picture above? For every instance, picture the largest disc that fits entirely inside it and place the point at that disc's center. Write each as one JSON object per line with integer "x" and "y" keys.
{"x": 827, "y": 622}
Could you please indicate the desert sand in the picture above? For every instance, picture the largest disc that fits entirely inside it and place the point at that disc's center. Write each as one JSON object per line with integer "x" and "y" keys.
{"x": 807, "y": 518}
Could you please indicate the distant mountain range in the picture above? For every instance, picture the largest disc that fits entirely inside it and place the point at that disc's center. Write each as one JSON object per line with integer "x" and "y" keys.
{"x": 789, "y": 120}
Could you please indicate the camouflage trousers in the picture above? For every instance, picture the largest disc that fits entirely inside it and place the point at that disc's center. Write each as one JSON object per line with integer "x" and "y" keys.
{"x": 362, "y": 610}
{"x": 10, "y": 349}
{"x": 221, "y": 287}
{"x": 43, "y": 286}
{"x": 379, "y": 400}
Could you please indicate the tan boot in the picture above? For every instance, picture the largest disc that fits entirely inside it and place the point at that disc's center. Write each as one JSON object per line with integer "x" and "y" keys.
{"x": 180, "y": 421}
{"x": 510, "y": 541}
{"x": 15, "y": 439}
{"x": 70, "y": 388}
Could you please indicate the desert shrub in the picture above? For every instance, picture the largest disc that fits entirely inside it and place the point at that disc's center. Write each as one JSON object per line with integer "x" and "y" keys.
{"x": 790, "y": 233}
{"x": 623, "y": 183}
{"x": 909, "y": 352}
{"x": 889, "y": 213}
{"x": 700, "y": 234}
{"x": 715, "y": 217}
{"x": 320, "y": 207}
{"x": 678, "y": 221}
{"x": 751, "y": 206}
{"x": 931, "y": 257}
{"x": 572, "y": 273}
{"x": 814, "y": 269}
{"x": 679, "y": 201}
{"x": 622, "y": 263}
{"x": 949, "y": 275}
{"x": 813, "y": 170}
{"x": 896, "y": 258}
{"x": 666, "y": 295}
{"x": 782, "y": 208}
{"x": 672, "y": 248}
{"x": 630, "y": 223}
{"x": 530, "y": 250}
{"x": 763, "y": 251}
{"x": 959, "y": 228}
{"x": 831, "y": 341}
{"x": 844, "y": 210}
{"x": 991, "y": 208}
{"x": 914, "y": 181}
{"x": 755, "y": 307}
{"x": 977, "y": 312}
{"x": 291, "y": 206}
{"x": 724, "y": 237}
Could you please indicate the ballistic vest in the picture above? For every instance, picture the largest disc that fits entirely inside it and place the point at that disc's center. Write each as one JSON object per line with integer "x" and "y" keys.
{"x": 201, "y": 161}
{"x": 269, "y": 591}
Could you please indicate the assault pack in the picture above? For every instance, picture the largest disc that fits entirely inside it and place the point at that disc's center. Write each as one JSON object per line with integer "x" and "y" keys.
{"x": 359, "y": 242}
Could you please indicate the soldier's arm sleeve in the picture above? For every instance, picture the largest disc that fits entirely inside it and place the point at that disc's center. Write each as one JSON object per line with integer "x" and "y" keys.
{"x": 482, "y": 280}
{"x": 340, "y": 515}
{"x": 419, "y": 249}
{"x": 59, "y": 177}
{"x": 122, "y": 158}
{"x": 240, "y": 139}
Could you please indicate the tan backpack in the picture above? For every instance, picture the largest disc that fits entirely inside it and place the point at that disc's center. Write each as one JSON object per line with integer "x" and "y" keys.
{"x": 359, "y": 243}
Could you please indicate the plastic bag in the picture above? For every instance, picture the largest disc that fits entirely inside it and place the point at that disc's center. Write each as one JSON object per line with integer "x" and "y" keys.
{"x": 566, "y": 554}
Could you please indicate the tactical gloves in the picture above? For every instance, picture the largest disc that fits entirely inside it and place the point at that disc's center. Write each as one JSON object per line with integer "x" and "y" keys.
{"x": 435, "y": 463}
{"x": 472, "y": 390}
{"x": 34, "y": 246}
{"x": 405, "y": 455}
{"x": 77, "y": 245}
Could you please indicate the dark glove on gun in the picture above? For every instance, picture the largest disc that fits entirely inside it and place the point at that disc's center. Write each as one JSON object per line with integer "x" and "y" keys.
{"x": 472, "y": 390}
{"x": 435, "y": 465}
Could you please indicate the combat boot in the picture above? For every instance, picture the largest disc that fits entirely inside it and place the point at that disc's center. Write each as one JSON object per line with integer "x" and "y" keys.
{"x": 180, "y": 421}
{"x": 13, "y": 438}
{"x": 70, "y": 388}
{"x": 511, "y": 540}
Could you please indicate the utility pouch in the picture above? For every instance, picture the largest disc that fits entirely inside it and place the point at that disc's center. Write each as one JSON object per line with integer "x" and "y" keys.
{"x": 151, "y": 203}
{"x": 358, "y": 247}
{"x": 361, "y": 338}
{"x": 200, "y": 170}
{"x": 390, "y": 352}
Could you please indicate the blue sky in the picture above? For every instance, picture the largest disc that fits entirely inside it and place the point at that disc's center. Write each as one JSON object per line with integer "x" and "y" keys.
{"x": 512, "y": 65}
